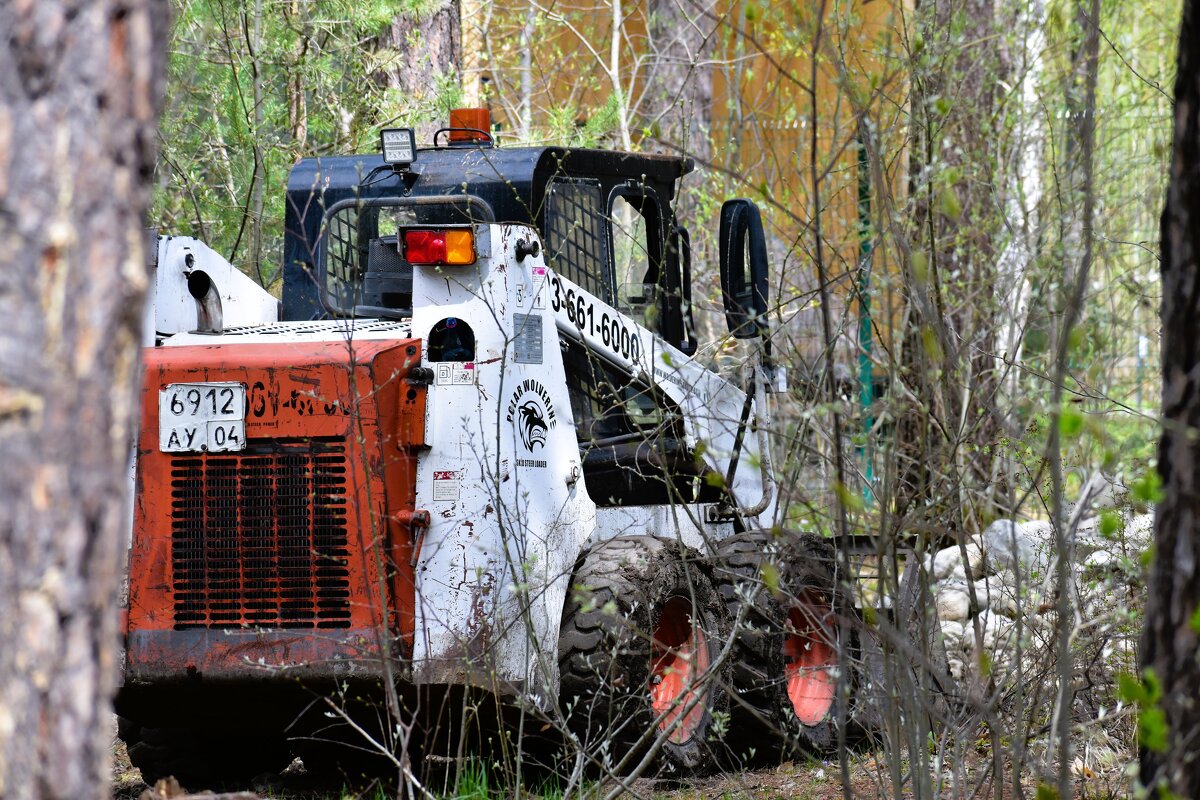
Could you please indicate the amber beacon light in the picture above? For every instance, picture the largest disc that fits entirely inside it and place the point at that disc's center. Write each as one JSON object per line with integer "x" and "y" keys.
{"x": 470, "y": 125}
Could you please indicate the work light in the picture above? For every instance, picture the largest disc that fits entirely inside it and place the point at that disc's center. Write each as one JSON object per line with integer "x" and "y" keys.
{"x": 399, "y": 146}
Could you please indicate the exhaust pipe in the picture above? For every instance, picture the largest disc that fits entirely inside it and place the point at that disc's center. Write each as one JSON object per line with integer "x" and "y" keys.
{"x": 208, "y": 301}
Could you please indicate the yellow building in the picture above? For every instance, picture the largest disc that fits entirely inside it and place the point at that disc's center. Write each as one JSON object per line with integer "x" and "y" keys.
{"x": 741, "y": 86}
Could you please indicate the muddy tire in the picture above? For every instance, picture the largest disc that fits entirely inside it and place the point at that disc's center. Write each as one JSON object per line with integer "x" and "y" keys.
{"x": 201, "y": 760}
{"x": 639, "y": 655}
{"x": 784, "y": 671}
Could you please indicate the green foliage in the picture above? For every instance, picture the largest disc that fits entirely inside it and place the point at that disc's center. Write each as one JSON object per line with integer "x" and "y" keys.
{"x": 317, "y": 67}
{"x": 1148, "y": 488}
{"x": 1046, "y": 792}
{"x": 472, "y": 782}
{"x": 1146, "y": 694}
{"x": 1070, "y": 423}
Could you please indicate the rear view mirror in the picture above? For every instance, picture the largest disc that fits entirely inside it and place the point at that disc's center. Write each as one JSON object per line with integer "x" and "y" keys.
{"x": 743, "y": 268}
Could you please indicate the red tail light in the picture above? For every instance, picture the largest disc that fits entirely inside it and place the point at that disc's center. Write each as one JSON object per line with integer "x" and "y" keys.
{"x": 450, "y": 247}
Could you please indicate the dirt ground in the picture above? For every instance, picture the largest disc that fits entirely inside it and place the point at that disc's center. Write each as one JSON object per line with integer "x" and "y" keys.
{"x": 813, "y": 780}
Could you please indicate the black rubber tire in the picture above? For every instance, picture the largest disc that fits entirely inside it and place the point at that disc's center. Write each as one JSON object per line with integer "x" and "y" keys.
{"x": 201, "y": 760}
{"x": 762, "y": 720}
{"x": 618, "y": 593}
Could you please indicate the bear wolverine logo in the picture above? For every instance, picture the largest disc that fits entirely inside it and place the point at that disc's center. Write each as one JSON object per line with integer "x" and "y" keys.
{"x": 533, "y": 425}
{"x": 531, "y": 412}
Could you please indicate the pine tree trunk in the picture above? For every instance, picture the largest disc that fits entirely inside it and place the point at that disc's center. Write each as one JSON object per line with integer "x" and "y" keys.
{"x": 80, "y": 85}
{"x": 1170, "y": 641}
{"x": 428, "y": 51}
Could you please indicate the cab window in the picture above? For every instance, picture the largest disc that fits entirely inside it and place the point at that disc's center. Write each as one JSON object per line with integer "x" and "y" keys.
{"x": 577, "y": 238}
{"x": 635, "y": 226}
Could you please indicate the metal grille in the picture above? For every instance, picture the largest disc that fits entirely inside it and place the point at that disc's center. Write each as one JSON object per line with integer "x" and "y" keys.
{"x": 343, "y": 270}
{"x": 577, "y": 235}
{"x": 259, "y": 537}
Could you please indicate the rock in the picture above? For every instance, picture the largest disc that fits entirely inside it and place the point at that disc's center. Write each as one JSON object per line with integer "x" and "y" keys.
{"x": 956, "y": 668}
{"x": 1012, "y": 546}
{"x": 948, "y": 563}
{"x": 1102, "y": 562}
{"x": 952, "y": 633}
{"x": 953, "y": 604}
{"x": 1111, "y": 494}
{"x": 998, "y": 593}
{"x": 997, "y": 634}
{"x": 1139, "y": 530}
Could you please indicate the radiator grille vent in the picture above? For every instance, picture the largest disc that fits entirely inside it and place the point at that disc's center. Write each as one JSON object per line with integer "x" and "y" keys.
{"x": 259, "y": 537}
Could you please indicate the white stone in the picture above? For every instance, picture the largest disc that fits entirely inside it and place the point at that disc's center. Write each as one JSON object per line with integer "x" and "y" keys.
{"x": 1011, "y": 545}
{"x": 997, "y": 633}
{"x": 952, "y": 633}
{"x": 953, "y": 604}
{"x": 948, "y": 562}
{"x": 998, "y": 593}
{"x": 1139, "y": 530}
{"x": 1102, "y": 561}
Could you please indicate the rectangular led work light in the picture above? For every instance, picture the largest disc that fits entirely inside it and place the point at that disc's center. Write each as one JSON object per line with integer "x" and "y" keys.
{"x": 399, "y": 146}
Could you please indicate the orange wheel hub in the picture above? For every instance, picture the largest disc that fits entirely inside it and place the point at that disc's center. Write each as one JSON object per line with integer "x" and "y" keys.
{"x": 810, "y": 658}
{"x": 679, "y": 658}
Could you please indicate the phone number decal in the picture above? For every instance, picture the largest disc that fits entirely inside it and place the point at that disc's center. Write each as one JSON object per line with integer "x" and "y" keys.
{"x": 610, "y": 329}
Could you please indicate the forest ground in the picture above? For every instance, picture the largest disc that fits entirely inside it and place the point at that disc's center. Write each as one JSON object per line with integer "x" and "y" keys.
{"x": 811, "y": 780}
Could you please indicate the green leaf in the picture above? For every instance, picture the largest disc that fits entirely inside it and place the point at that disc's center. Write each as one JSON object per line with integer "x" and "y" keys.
{"x": 1070, "y": 423}
{"x": 770, "y": 577}
{"x": 1046, "y": 792}
{"x": 1110, "y": 524}
{"x": 951, "y": 205}
{"x": 714, "y": 479}
{"x": 1130, "y": 689}
{"x": 1152, "y": 729}
{"x": 1148, "y": 488}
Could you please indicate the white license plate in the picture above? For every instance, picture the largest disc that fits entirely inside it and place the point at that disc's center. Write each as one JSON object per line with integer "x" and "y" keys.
{"x": 202, "y": 417}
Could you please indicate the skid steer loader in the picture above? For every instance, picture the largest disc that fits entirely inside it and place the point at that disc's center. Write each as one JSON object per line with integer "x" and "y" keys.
{"x": 471, "y": 447}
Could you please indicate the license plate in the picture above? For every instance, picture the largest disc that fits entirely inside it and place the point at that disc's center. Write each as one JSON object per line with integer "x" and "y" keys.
{"x": 202, "y": 417}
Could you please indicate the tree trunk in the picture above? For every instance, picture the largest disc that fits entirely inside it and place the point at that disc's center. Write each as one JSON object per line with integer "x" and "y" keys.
{"x": 429, "y": 51}
{"x": 1170, "y": 641}
{"x": 80, "y": 85}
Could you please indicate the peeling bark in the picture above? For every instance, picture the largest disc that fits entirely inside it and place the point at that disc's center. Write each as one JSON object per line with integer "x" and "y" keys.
{"x": 80, "y": 87}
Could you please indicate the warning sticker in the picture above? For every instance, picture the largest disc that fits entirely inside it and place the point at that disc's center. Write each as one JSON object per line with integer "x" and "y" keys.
{"x": 455, "y": 373}
{"x": 446, "y": 485}
{"x": 539, "y": 284}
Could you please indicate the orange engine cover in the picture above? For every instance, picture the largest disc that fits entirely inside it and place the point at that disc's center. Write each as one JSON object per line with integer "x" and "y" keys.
{"x": 295, "y": 554}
